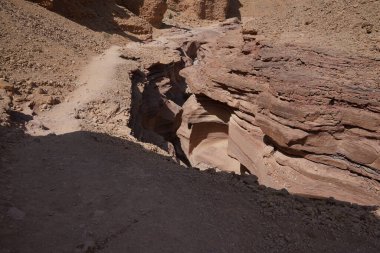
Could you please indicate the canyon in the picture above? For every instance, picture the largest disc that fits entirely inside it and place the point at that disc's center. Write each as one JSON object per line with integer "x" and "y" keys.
{"x": 226, "y": 98}
{"x": 154, "y": 125}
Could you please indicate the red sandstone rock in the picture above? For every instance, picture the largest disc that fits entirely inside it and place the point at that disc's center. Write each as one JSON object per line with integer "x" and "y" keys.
{"x": 299, "y": 118}
{"x": 303, "y": 119}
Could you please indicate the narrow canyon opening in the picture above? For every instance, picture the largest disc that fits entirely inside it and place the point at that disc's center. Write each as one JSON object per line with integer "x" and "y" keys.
{"x": 158, "y": 94}
{"x": 192, "y": 128}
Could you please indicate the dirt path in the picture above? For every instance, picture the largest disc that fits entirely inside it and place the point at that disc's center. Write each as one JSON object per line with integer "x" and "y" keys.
{"x": 95, "y": 80}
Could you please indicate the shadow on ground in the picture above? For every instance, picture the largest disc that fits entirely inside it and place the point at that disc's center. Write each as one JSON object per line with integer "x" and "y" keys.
{"x": 89, "y": 192}
{"x": 97, "y": 15}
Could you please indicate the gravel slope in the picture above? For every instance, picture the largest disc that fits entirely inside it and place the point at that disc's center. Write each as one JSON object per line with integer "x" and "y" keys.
{"x": 88, "y": 192}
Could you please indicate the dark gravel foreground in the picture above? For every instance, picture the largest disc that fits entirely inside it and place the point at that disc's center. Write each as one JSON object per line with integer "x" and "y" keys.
{"x": 88, "y": 192}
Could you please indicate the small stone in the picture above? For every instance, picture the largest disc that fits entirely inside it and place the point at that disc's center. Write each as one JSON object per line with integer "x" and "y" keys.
{"x": 308, "y": 22}
{"x": 41, "y": 91}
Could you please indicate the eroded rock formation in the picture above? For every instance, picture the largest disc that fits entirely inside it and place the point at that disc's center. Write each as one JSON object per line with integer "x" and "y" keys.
{"x": 303, "y": 119}
{"x": 158, "y": 93}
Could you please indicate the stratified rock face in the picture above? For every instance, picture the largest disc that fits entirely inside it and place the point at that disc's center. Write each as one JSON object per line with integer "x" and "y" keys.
{"x": 300, "y": 118}
{"x": 204, "y": 134}
{"x": 297, "y": 117}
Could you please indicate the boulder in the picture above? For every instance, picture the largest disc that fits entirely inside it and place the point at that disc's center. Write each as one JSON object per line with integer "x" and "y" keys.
{"x": 204, "y": 134}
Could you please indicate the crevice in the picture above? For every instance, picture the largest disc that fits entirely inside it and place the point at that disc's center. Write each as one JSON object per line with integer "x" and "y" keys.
{"x": 158, "y": 94}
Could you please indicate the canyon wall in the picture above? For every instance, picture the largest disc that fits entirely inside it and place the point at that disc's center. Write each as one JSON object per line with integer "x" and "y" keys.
{"x": 306, "y": 120}
{"x": 303, "y": 119}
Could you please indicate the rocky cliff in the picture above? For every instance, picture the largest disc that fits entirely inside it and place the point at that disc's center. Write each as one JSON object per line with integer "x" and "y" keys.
{"x": 303, "y": 119}
{"x": 299, "y": 118}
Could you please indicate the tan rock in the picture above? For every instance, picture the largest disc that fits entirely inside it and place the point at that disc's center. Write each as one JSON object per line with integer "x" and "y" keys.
{"x": 204, "y": 134}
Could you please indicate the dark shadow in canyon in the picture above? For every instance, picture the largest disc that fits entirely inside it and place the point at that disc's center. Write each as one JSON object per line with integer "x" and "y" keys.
{"x": 157, "y": 97}
{"x": 234, "y": 9}
{"x": 90, "y": 192}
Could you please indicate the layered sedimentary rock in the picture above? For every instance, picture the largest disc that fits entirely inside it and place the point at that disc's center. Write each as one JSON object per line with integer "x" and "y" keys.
{"x": 297, "y": 117}
{"x": 304, "y": 119}
{"x": 204, "y": 134}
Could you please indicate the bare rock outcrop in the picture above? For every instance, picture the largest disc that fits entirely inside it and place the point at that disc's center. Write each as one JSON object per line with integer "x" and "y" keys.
{"x": 304, "y": 119}
{"x": 204, "y": 134}
{"x": 298, "y": 117}
{"x": 158, "y": 92}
